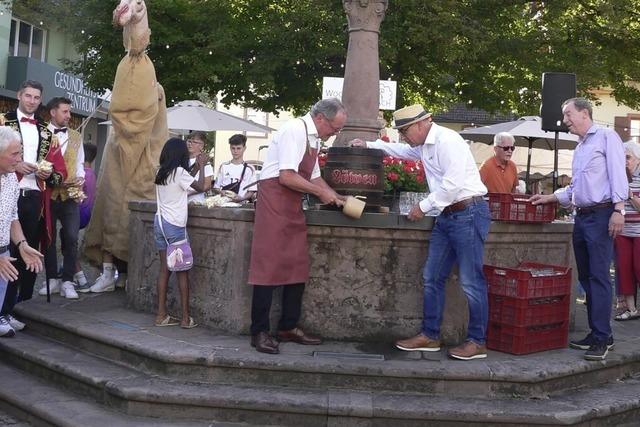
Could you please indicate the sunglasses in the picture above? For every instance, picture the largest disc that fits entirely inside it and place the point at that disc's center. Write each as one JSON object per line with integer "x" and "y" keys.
{"x": 507, "y": 147}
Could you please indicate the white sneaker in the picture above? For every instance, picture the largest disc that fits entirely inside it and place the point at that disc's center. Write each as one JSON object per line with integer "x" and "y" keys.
{"x": 104, "y": 284}
{"x": 121, "y": 281}
{"x": 15, "y": 323}
{"x": 54, "y": 287}
{"x": 80, "y": 278}
{"x": 6, "y": 330}
{"x": 68, "y": 291}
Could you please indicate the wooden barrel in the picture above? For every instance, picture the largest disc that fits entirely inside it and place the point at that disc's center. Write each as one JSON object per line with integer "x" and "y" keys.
{"x": 356, "y": 171}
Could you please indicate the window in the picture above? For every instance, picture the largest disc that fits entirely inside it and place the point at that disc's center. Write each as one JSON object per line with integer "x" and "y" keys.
{"x": 26, "y": 40}
{"x": 259, "y": 117}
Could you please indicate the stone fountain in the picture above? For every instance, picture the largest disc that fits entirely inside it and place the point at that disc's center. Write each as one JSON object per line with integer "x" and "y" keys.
{"x": 361, "y": 90}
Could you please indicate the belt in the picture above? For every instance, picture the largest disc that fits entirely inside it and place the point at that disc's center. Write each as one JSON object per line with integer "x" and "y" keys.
{"x": 26, "y": 192}
{"x": 593, "y": 208}
{"x": 458, "y": 206}
{"x": 4, "y": 249}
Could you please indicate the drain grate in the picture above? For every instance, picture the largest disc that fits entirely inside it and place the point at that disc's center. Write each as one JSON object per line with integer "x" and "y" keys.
{"x": 366, "y": 356}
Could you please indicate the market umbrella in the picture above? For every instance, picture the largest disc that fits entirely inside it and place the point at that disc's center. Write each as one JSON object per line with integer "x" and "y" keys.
{"x": 194, "y": 115}
{"x": 527, "y": 132}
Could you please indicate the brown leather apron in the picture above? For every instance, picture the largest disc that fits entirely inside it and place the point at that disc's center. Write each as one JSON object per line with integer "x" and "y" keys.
{"x": 279, "y": 252}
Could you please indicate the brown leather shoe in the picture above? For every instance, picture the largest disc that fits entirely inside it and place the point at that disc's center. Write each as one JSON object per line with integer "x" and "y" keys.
{"x": 418, "y": 343}
{"x": 263, "y": 342}
{"x": 468, "y": 351}
{"x": 297, "y": 335}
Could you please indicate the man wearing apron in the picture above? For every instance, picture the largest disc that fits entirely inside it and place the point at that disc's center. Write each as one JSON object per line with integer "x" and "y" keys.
{"x": 279, "y": 252}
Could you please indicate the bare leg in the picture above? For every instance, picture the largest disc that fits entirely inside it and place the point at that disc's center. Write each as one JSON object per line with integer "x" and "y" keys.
{"x": 183, "y": 284}
{"x": 163, "y": 282}
{"x": 631, "y": 303}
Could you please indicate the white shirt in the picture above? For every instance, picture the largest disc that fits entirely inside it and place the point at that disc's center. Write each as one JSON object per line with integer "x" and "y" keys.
{"x": 30, "y": 140}
{"x": 194, "y": 195}
{"x": 172, "y": 197}
{"x": 63, "y": 138}
{"x": 288, "y": 146}
{"x": 9, "y": 193}
{"x": 230, "y": 173}
{"x": 451, "y": 171}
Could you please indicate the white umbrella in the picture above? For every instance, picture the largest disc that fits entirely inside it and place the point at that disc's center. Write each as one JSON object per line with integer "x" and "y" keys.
{"x": 527, "y": 132}
{"x": 194, "y": 115}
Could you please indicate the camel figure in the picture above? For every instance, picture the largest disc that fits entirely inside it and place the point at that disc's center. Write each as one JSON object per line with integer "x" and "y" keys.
{"x": 131, "y": 156}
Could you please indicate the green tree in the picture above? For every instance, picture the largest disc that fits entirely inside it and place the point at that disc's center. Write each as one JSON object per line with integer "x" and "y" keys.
{"x": 272, "y": 55}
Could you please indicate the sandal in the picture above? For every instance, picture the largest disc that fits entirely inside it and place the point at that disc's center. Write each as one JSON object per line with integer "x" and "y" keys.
{"x": 168, "y": 321}
{"x": 192, "y": 324}
{"x": 627, "y": 315}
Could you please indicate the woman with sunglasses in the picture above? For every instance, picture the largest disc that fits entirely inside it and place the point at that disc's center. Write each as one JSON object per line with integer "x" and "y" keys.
{"x": 499, "y": 173}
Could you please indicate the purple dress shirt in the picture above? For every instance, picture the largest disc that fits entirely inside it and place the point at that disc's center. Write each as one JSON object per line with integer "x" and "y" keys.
{"x": 598, "y": 170}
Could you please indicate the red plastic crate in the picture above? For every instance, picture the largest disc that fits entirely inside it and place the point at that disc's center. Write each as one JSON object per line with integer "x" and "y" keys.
{"x": 528, "y": 312}
{"x": 520, "y": 282}
{"x": 515, "y": 207}
{"x": 527, "y": 339}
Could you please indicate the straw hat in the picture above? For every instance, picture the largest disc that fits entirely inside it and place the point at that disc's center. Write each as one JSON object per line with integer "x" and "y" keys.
{"x": 409, "y": 115}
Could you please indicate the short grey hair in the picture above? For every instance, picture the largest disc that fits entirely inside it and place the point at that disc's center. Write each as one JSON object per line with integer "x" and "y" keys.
{"x": 581, "y": 104}
{"x": 329, "y": 108}
{"x": 7, "y": 136}
{"x": 633, "y": 148}
{"x": 497, "y": 139}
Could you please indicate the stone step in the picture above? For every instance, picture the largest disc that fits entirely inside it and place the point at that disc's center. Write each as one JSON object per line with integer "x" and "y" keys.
{"x": 106, "y": 329}
{"x": 41, "y": 403}
{"x": 82, "y": 379}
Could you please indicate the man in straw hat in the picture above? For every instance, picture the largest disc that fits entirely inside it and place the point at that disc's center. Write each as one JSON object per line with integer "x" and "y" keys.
{"x": 460, "y": 229}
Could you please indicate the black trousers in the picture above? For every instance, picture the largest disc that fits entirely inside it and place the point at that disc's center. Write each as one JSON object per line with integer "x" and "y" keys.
{"x": 68, "y": 213}
{"x": 261, "y": 307}
{"x": 32, "y": 223}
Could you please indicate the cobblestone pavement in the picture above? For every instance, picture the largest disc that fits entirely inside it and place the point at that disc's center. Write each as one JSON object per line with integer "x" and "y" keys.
{"x": 7, "y": 420}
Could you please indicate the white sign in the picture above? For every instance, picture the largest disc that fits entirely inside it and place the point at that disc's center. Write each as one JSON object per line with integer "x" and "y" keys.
{"x": 332, "y": 87}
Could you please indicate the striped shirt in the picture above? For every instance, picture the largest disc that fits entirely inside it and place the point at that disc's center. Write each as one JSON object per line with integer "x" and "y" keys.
{"x": 632, "y": 217}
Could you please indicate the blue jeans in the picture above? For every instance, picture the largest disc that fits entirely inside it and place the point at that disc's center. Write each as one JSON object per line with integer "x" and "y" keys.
{"x": 593, "y": 248}
{"x": 457, "y": 237}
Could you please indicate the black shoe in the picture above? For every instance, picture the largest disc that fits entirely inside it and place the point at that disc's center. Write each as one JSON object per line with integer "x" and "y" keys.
{"x": 588, "y": 341}
{"x": 583, "y": 344}
{"x": 597, "y": 351}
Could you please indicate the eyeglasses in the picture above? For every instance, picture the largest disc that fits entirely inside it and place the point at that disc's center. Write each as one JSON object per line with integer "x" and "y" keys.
{"x": 334, "y": 129}
{"x": 507, "y": 147}
{"x": 403, "y": 131}
{"x": 195, "y": 141}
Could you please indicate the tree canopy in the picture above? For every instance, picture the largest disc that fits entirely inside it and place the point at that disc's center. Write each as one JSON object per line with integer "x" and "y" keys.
{"x": 272, "y": 55}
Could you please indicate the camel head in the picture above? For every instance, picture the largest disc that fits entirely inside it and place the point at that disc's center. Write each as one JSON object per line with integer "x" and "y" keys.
{"x": 129, "y": 12}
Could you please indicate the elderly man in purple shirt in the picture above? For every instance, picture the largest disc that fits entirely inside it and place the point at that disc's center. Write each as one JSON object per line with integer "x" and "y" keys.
{"x": 598, "y": 190}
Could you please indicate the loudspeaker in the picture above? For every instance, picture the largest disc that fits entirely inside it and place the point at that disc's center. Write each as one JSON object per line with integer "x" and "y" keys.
{"x": 556, "y": 88}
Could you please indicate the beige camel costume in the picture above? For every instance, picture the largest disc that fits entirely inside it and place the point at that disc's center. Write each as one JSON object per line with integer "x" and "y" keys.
{"x": 139, "y": 117}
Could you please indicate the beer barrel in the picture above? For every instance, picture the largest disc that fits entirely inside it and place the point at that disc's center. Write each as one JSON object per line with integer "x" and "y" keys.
{"x": 356, "y": 171}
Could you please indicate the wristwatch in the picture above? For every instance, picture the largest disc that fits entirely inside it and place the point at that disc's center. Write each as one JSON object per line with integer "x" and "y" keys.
{"x": 620, "y": 211}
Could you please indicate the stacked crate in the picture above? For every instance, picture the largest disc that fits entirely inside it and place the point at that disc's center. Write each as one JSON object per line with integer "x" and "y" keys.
{"x": 517, "y": 208}
{"x": 528, "y": 307}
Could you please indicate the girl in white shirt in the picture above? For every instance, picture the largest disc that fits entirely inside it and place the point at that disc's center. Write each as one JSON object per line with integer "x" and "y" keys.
{"x": 173, "y": 182}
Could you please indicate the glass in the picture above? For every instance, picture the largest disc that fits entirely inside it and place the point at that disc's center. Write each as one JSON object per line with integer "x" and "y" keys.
{"x": 334, "y": 129}
{"x": 195, "y": 141}
{"x": 37, "y": 42}
{"x": 24, "y": 39}
{"x": 12, "y": 38}
{"x": 403, "y": 131}
{"x": 507, "y": 147}
{"x": 408, "y": 199}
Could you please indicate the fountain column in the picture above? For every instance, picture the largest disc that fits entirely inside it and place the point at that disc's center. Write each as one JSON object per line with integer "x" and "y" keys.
{"x": 361, "y": 90}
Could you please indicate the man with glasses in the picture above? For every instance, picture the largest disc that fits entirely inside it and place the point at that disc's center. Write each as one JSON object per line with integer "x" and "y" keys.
{"x": 279, "y": 251}
{"x": 459, "y": 232}
{"x": 499, "y": 173}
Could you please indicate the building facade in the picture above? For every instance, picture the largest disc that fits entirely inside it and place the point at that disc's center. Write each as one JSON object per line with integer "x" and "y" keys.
{"x": 34, "y": 51}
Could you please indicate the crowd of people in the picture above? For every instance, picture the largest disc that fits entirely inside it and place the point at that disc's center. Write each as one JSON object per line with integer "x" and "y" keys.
{"x": 46, "y": 178}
